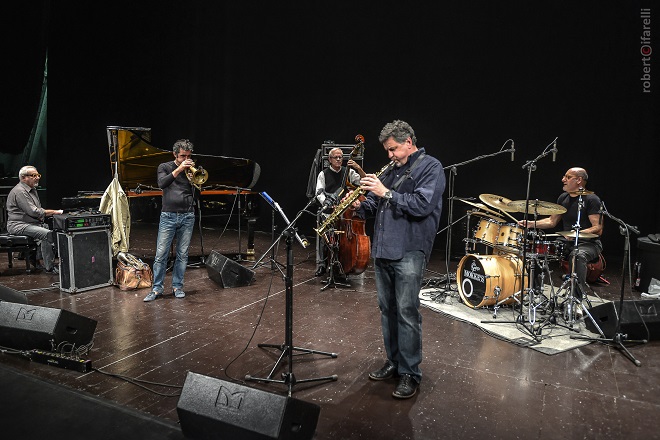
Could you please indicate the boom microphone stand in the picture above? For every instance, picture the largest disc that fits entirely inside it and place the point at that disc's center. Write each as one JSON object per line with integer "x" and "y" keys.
{"x": 620, "y": 338}
{"x": 450, "y": 195}
{"x": 530, "y": 166}
{"x": 287, "y": 347}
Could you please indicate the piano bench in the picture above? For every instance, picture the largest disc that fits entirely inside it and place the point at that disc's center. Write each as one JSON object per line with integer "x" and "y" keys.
{"x": 18, "y": 243}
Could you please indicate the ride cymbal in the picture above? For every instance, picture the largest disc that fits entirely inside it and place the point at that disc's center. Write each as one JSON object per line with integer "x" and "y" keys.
{"x": 571, "y": 235}
{"x": 498, "y": 202}
{"x": 537, "y": 206}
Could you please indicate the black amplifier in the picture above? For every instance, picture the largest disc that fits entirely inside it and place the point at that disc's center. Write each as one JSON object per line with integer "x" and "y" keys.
{"x": 80, "y": 221}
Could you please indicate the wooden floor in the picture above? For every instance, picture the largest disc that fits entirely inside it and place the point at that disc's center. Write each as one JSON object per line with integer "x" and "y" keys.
{"x": 474, "y": 385}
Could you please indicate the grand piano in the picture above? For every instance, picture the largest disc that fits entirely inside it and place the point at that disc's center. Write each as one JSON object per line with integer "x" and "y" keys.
{"x": 226, "y": 192}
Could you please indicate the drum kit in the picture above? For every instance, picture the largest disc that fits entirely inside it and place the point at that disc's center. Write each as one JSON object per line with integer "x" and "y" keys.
{"x": 514, "y": 266}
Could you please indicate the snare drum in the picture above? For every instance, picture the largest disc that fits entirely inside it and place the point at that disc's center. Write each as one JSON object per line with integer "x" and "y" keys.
{"x": 510, "y": 237}
{"x": 550, "y": 249}
{"x": 489, "y": 279}
{"x": 487, "y": 231}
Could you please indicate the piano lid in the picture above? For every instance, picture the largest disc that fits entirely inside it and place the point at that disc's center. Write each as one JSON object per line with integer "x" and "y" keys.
{"x": 136, "y": 161}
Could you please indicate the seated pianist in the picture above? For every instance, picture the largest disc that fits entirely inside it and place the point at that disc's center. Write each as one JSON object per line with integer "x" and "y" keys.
{"x": 25, "y": 216}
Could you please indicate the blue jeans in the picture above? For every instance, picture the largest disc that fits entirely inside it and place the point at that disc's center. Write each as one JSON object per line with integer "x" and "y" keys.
{"x": 172, "y": 226}
{"x": 398, "y": 283}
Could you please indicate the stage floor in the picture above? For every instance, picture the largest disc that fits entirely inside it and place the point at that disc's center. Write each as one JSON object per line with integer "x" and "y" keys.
{"x": 474, "y": 385}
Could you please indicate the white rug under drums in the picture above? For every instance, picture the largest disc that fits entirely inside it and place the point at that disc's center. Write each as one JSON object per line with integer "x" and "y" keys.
{"x": 553, "y": 339}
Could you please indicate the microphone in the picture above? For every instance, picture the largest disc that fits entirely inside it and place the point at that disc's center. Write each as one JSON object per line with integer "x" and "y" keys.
{"x": 513, "y": 150}
{"x": 330, "y": 200}
{"x": 270, "y": 201}
{"x": 554, "y": 151}
{"x": 276, "y": 206}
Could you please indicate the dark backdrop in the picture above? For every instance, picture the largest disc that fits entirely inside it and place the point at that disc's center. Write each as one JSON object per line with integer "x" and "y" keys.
{"x": 271, "y": 81}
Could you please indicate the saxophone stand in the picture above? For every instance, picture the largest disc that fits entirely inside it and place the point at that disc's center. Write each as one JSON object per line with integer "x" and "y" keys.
{"x": 333, "y": 260}
{"x": 287, "y": 348}
{"x": 619, "y": 339}
{"x": 450, "y": 195}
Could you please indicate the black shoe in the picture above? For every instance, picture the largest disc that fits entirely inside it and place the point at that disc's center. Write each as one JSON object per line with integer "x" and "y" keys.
{"x": 407, "y": 387}
{"x": 320, "y": 271}
{"x": 386, "y": 372}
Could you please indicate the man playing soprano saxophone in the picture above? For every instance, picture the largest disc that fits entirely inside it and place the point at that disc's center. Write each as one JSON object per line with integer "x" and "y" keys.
{"x": 407, "y": 203}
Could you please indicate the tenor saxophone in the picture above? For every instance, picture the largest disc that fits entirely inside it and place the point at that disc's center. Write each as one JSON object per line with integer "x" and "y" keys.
{"x": 343, "y": 206}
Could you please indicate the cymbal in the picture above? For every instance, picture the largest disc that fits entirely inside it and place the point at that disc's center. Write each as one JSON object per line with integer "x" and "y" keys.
{"x": 487, "y": 215}
{"x": 537, "y": 206}
{"x": 479, "y": 205}
{"x": 571, "y": 234}
{"x": 499, "y": 202}
{"x": 581, "y": 192}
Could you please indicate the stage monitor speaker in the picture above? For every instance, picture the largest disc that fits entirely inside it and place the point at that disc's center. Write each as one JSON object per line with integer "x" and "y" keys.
{"x": 215, "y": 409}
{"x": 85, "y": 260}
{"x": 27, "y": 327}
{"x": 647, "y": 265}
{"x": 637, "y": 317}
{"x": 226, "y": 272}
{"x": 10, "y": 295}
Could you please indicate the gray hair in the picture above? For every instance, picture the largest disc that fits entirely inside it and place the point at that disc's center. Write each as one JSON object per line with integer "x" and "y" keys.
{"x": 399, "y": 131}
{"x": 25, "y": 171}
{"x": 182, "y": 144}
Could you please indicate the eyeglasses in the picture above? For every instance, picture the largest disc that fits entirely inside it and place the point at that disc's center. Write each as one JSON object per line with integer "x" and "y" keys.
{"x": 569, "y": 176}
{"x": 336, "y": 157}
{"x": 36, "y": 176}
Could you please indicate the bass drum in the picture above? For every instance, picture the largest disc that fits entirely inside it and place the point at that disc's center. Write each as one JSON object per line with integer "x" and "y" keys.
{"x": 484, "y": 280}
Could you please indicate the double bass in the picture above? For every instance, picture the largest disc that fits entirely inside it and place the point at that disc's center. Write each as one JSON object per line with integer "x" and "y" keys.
{"x": 354, "y": 244}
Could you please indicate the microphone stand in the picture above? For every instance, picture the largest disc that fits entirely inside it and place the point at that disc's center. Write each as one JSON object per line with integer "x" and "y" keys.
{"x": 287, "y": 347}
{"x": 450, "y": 196}
{"x": 619, "y": 338}
{"x": 530, "y": 166}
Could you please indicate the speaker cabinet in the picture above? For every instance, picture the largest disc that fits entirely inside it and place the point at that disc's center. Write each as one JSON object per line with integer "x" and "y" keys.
{"x": 26, "y": 327}
{"x": 215, "y": 409}
{"x": 85, "y": 260}
{"x": 226, "y": 272}
{"x": 637, "y": 317}
{"x": 11, "y": 295}
{"x": 647, "y": 265}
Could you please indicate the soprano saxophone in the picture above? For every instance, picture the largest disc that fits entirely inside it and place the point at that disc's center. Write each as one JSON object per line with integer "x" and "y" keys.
{"x": 343, "y": 206}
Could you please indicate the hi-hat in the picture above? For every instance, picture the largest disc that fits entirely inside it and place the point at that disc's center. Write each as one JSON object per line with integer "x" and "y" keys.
{"x": 498, "y": 202}
{"x": 581, "y": 192}
{"x": 537, "y": 206}
{"x": 487, "y": 215}
{"x": 478, "y": 205}
{"x": 571, "y": 235}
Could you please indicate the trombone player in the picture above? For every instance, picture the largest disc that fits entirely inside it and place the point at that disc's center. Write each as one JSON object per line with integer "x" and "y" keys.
{"x": 177, "y": 219}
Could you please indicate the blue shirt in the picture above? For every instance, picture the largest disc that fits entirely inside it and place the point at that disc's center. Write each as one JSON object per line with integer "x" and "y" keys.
{"x": 409, "y": 221}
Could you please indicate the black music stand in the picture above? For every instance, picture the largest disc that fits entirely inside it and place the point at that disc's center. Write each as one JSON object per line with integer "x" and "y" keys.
{"x": 287, "y": 348}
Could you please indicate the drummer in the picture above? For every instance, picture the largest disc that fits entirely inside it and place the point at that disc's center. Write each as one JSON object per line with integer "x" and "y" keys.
{"x": 575, "y": 183}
